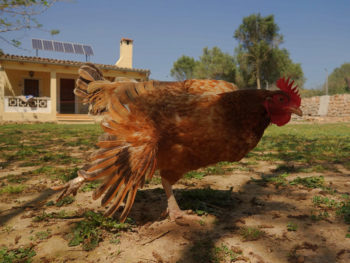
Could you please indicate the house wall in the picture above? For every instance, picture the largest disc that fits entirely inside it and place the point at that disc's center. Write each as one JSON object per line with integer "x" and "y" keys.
{"x": 3, "y": 83}
{"x": 16, "y": 78}
{"x": 13, "y": 73}
{"x": 12, "y": 84}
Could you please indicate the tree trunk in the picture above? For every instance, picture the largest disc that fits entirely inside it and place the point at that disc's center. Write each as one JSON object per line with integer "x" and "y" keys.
{"x": 258, "y": 84}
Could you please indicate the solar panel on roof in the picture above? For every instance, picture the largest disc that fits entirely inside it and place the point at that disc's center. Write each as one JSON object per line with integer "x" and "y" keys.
{"x": 78, "y": 49}
{"x": 88, "y": 50}
{"x": 68, "y": 48}
{"x": 37, "y": 44}
{"x": 48, "y": 45}
{"x": 58, "y": 46}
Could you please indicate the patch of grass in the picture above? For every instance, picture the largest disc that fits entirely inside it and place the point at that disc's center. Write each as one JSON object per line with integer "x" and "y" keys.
{"x": 206, "y": 200}
{"x": 344, "y": 211}
{"x": 345, "y": 196}
{"x": 47, "y": 169}
{"x": 224, "y": 254}
{"x": 63, "y": 174}
{"x": 24, "y": 153}
{"x": 28, "y": 164}
{"x": 65, "y": 201}
{"x": 309, "y": 182}
{"x": 79, "y": 142}
{"x": 156, "y": 179}
{"x": 41, "y": 235}
{"x": 68, "y": 174}
{"x": 286, "y": 168}
{"x": 59, "y": 158}
{"x": 323, "y": 202}
{"x": 88, "y": 232}
{"x": 90, "y": 186}
{"x": 291, "y": 226}
{"x": 311, "y": 145}
{"x": 16, "y": 255}
{"x": 8, "y": 229}
{"x": 43, "y": 217}
{"x": 322, "y": 215}
{"x": 251, "y": 233}
{"x": 115, "y": 239}
{"x": 215, "y": 170}
{"x": 61, "y": 215}
{"x": 200, "y": 173}
{"x": 224, "y": 163}
{"x": 50, "y": 203}
{"x": 12, "y": 189}
{"x": 277, "y": 180}
{"x": 19, "y": 178}
{"x": 195, "y": 175}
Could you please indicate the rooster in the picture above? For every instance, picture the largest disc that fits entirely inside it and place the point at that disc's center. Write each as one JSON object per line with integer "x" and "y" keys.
{"x": 174, "y": 127}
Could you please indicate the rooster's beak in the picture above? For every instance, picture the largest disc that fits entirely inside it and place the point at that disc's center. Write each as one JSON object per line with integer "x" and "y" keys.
{"x": 296, "y": 111}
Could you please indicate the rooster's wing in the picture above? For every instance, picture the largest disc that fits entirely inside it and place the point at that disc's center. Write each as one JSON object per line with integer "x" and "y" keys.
{"x": 127, "y": 154}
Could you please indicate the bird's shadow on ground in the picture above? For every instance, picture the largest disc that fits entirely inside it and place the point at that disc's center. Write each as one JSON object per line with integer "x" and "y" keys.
{"x": 229, "y": 208}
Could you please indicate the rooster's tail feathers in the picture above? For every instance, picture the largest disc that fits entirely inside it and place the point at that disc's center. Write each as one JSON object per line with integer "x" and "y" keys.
{"x": 102, "y": 94}
{"x": 125, "y": 160}
{"x": 127, "y": 154}
{"x": 87, "y": 74}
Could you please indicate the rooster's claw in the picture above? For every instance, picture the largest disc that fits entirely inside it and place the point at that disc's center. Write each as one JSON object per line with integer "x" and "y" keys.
{"x": 69, "y": 188}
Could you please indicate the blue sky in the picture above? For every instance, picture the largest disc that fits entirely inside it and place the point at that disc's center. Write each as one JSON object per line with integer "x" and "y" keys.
{"x": 316, "y": 33}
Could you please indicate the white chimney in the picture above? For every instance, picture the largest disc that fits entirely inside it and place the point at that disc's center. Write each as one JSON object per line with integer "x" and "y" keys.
{"x": 125, "y": 56}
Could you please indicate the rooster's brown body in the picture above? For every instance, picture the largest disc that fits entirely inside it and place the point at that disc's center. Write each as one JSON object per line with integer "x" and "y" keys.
{"x": 171, "y": 126}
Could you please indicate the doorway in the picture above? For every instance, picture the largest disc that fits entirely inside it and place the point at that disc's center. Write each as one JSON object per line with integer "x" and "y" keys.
{"x": 67, "y": 97}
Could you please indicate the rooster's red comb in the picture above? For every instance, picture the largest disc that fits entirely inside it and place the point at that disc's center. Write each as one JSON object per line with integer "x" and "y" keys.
{"x": 286, "y": 86}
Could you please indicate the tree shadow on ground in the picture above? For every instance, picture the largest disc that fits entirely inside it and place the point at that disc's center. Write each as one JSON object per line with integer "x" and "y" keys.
{"x": 229, "y": 214}
{"x": 35, "y": 203}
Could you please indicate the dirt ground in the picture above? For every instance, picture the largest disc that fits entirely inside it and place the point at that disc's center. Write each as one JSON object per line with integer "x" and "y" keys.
{"x": 258, "y": 220}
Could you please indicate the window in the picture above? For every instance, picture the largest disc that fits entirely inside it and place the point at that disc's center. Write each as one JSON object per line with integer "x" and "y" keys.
{"x": 31, "y": 87}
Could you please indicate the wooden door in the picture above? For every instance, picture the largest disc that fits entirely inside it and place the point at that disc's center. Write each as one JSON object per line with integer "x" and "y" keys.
{"x": 67, "y": 97}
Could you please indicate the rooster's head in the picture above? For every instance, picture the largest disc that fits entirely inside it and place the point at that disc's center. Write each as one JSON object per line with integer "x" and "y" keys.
{"x": 281, "y": 104}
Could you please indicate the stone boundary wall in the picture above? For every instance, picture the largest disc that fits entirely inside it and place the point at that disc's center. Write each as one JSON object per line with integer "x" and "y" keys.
{"x": 326, "y": 106}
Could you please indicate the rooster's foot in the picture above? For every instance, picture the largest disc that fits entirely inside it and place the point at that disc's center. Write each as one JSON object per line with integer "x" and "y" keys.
{"x": 69, "y": 188}
{"x": 183, "y": 215}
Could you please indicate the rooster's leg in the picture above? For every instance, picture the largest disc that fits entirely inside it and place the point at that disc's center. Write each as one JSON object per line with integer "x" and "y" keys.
{"x": 174, "y": 210}
{"x": 69, "y": 188}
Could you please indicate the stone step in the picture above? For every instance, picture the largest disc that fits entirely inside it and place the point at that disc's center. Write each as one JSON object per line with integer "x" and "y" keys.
{"x": 74, "y": 118}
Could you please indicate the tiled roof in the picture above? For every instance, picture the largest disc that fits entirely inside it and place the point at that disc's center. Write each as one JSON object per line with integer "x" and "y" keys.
{"x": 51, "y": 61}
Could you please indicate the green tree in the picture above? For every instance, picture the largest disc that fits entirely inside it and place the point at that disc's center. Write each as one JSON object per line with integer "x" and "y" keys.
{"x": 260, "y": 60}
{"x": 280, "y": 65}
{"x": 183, "y": 68}
{"x": 257, "y": 36}
{"x": 215, "y": 64}
{"x": 212, "y": 64}
{"x": 17, "y": 15}
{"x": 339, "y": 80}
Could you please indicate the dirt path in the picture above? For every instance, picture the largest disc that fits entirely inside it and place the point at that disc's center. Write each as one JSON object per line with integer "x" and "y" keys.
{"x": 257, "y": 222}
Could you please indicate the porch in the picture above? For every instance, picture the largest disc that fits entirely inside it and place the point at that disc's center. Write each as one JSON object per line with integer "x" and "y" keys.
{"x": 39, "y": 109}
{"x": 36, "y": 93}
{"x": 34, "y": 89}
